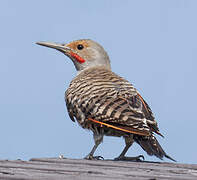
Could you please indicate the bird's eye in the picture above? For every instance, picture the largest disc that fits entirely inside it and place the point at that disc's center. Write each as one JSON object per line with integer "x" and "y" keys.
{"x": 80, "y": 47}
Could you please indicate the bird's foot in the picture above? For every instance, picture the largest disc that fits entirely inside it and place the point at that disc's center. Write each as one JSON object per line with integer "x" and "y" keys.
{"x": 90, "y": 157}
{"x": 125, "y": 158}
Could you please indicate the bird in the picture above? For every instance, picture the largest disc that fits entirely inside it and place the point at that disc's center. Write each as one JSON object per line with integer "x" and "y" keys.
{"x": 106, "y": 103}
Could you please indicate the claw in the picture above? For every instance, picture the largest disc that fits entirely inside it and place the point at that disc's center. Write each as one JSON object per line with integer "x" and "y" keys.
{"x": 99, "y": 157}
{"x": 125, "y": 158}
{"x": 140, "y": 156}
{"x": 89, "y": 157}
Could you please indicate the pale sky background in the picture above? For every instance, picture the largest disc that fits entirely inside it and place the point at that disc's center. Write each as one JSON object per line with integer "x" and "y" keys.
{"x": 153, "y": 44}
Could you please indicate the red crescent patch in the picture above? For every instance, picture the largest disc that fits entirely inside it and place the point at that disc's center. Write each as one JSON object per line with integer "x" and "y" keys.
{"x": 78, "y": 58}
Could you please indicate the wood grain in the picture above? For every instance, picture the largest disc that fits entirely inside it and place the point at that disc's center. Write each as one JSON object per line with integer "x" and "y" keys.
{"x": 59, "y": 169}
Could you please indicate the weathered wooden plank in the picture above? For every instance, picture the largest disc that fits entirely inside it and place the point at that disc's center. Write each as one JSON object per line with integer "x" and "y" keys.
{"x": 59, "y": 169}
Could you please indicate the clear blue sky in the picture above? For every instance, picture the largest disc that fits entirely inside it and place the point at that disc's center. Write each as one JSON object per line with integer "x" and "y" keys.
{"x": 153, "y": 44}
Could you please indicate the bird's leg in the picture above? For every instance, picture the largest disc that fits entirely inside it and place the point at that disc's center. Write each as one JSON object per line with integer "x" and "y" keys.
{"x": 98, "y": 138}
{"x": 128, "y": 141}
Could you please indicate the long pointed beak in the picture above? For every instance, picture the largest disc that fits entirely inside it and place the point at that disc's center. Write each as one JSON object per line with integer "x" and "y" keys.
{"x": 60, "y": 47}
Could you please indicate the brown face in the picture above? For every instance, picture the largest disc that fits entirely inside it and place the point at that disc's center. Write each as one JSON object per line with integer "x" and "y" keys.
{"x": 78, "y": 45}
{"x": 79, "y": 50}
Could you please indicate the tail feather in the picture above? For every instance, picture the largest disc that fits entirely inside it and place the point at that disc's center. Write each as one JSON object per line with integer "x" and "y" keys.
{"x": 152, "y": 146}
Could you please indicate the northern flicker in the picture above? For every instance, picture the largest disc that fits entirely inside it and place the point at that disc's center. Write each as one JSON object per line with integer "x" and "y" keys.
{"x": 105, "y": 103}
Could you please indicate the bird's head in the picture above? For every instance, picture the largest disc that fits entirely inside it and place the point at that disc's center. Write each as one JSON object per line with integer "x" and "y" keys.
{"x": 84, "y": 53}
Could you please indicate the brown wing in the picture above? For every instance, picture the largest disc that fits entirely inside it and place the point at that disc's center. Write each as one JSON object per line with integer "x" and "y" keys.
{"x": 131, "y": 114}
{"x": 120, "y": 113}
